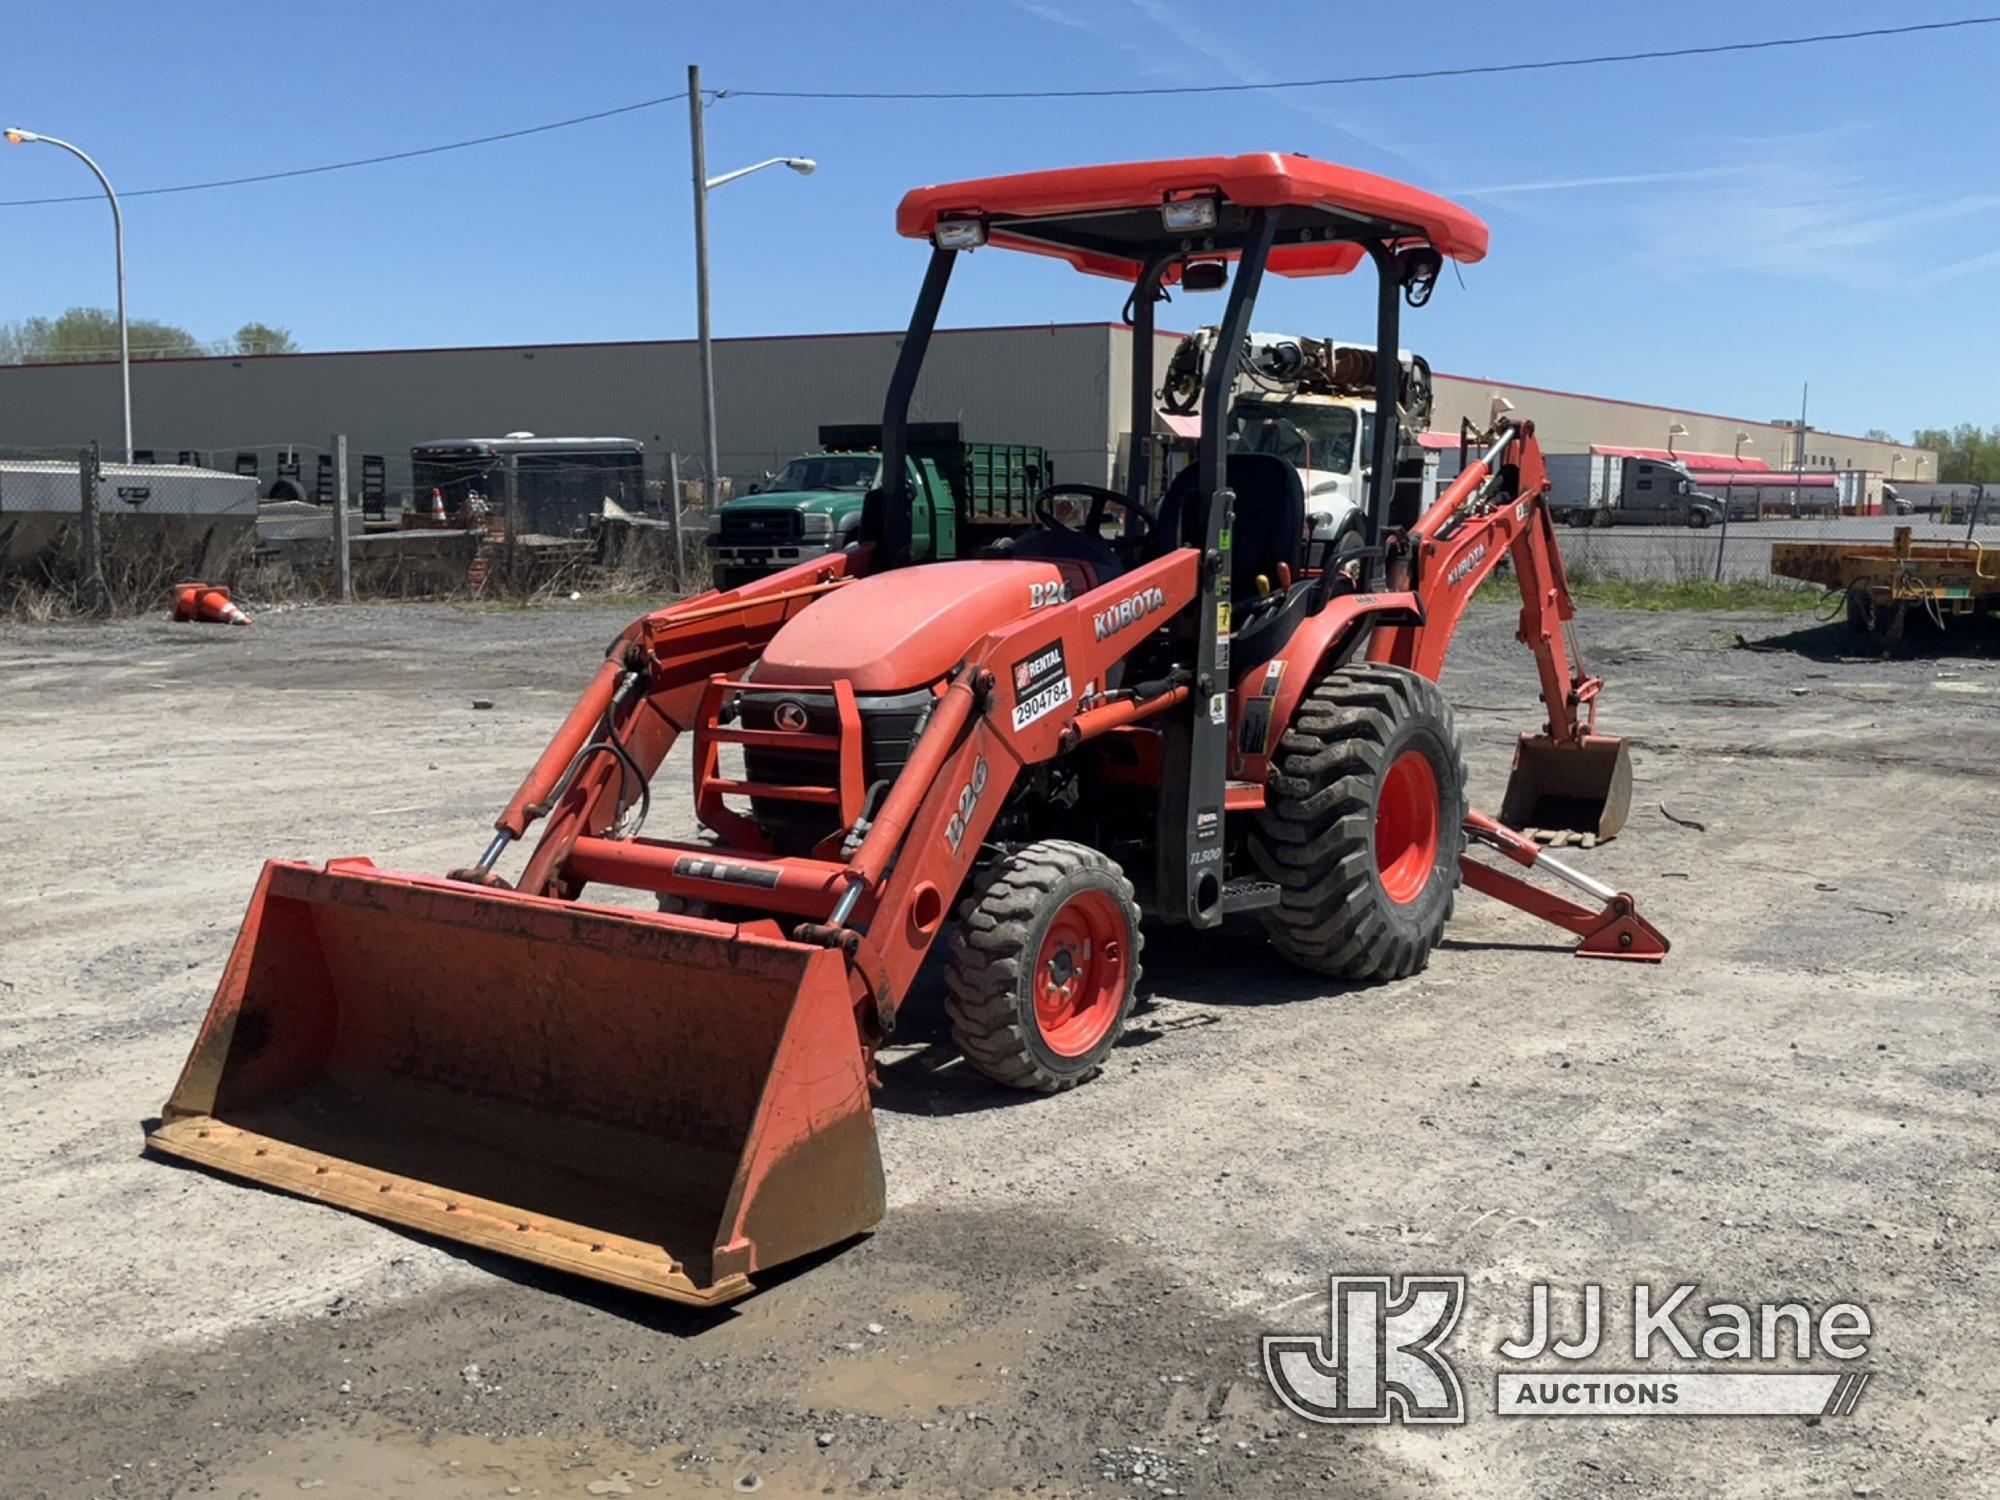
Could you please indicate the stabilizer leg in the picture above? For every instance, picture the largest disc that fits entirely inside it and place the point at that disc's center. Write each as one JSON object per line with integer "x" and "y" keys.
{"x": 1613, "y": 930}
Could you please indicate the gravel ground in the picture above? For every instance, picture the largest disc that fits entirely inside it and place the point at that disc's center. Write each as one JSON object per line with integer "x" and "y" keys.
{"x": 1066, "y": 1296}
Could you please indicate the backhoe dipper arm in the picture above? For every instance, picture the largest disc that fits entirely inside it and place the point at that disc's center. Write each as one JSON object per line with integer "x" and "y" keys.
{"x": 1498, "y": 506}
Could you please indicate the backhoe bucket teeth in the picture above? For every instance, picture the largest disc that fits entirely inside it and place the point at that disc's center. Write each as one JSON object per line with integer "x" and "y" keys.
{"x": 666, "y": 1104}
{"x": 1584, "y": 788}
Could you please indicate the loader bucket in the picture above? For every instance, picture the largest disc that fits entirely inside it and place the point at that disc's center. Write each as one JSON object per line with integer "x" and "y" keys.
{"x": 666, "y": 1104}
{"x": 1585, "y": 788}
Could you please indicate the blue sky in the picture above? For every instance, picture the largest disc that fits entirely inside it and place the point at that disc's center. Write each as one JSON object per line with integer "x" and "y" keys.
{"x": 1705, "y": 233}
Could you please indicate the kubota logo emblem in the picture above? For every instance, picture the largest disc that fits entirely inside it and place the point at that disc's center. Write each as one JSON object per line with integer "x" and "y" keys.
{"x": 1126, "y": 611}
{"x": 790, "y": 716}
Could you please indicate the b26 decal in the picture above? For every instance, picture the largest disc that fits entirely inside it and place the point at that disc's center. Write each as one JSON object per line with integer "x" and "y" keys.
{"x": 968, "y": 800}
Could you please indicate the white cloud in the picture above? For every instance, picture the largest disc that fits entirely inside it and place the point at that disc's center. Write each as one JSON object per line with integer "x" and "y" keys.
{"x": 1576, "y": 184}
{"x": 1053, "y": 16}
{"x": 1955, "y": 269}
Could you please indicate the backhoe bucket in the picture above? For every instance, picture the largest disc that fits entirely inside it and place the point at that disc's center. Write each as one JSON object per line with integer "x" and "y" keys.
{"x": 1584, "y": 788}
{"x": 662, "y": 1103}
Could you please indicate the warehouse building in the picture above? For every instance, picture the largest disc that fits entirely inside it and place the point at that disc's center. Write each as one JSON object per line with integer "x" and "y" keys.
{"x": 1059, "y": 385}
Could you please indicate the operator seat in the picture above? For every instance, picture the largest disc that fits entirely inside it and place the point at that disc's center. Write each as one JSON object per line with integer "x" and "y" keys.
{"x": 1270, "y": 519}
{"x": 1270, "y": 529}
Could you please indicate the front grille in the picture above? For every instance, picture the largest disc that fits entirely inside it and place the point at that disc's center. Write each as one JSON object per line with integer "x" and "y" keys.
{"x": 888, "y": 733}
{"x": 760, "y": 527}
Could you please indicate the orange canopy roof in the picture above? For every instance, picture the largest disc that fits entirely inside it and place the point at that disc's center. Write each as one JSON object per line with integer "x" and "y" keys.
{"x": 1105, "y": 219}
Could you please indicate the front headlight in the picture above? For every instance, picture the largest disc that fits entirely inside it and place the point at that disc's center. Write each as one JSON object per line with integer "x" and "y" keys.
{"x": 818, "y": 525}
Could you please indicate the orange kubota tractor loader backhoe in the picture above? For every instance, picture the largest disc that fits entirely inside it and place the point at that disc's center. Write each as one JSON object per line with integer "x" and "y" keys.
{"x": 1161, "y": 704}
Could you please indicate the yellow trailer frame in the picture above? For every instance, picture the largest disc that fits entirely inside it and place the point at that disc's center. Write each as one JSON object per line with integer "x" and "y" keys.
{"x": 1881, "y": 583}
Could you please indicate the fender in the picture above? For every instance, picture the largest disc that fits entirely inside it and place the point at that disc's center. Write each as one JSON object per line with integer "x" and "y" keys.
{"x": 1266, "y": 699}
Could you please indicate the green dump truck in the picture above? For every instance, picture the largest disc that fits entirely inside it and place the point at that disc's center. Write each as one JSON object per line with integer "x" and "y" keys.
{"x": 967, "y": 494}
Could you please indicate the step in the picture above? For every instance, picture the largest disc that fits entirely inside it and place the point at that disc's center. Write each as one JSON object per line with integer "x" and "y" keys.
{"x": 1249, "y": 895}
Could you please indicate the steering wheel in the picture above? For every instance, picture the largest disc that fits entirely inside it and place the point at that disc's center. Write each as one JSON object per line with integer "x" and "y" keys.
{"x": 1100, "y": 499}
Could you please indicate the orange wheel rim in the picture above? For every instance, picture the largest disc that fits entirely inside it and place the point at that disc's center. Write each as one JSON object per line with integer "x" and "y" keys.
{"x": 1407, "y": 815}
{"x": 1080, "y": 974}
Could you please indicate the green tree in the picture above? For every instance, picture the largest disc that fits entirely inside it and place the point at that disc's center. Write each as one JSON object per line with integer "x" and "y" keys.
{"x": 86, "y": 333}
{"x": 1879, "y": 435}
{"x": 262, "y": 338}
{"x": 1966, "y": 455}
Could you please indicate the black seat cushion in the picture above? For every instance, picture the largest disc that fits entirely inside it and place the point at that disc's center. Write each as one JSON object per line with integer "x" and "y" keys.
{"x": 1270, "y": 518}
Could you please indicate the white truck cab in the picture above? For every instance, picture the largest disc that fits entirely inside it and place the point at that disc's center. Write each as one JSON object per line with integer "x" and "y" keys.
{"x": 1310, "y": 402}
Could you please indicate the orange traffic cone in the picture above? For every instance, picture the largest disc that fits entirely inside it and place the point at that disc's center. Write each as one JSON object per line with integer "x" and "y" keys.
{"x": 437, "y": 507}
{"x": 206, "y": 603}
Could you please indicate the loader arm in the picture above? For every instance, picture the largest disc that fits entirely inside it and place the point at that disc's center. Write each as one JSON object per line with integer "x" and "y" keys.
{"x": 642, "y": 698}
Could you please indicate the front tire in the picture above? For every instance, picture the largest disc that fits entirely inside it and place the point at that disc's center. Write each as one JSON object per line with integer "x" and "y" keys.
{"x": 1364, "y": 825}
{"x": 1044, "y": 966}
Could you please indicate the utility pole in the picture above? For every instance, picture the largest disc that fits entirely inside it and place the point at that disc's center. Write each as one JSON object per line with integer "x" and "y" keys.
{"x": 698, "y": 144}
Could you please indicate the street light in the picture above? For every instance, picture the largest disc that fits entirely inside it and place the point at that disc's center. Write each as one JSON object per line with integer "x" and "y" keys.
{"x": 803, "y": 165}
{"x": 703, "y": 186}
{"x": 1674, "y": 431}
{"x": 19, "y": 137}
{"x": 1743, "y": 439}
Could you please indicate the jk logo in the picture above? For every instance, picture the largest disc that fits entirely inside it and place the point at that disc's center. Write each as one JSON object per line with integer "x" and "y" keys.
{"x": 1380, "y": 1361}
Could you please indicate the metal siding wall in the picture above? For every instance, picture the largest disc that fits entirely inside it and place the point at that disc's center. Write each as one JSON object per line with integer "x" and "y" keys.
{"x": 1004, "y": 385}
{"x": 1573, "y": 424}
{"x": 1061, "y": 386}
{"x": 1035, "y": 385}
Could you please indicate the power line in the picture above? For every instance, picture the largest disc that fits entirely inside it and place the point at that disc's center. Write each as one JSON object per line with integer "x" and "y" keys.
{"x": 1351, "y": 80}
{"x": 359, "y": 161}
{"x": 1411, "y": 76}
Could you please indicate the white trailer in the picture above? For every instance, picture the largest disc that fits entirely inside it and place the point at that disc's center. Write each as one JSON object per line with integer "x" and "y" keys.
{"x": 198, "y": 514}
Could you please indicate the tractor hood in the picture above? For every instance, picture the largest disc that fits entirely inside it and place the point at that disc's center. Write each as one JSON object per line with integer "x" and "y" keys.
{"x": 906, "y": 628}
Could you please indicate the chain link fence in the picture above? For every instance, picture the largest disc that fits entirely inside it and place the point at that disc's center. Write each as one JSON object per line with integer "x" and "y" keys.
{"x": 78, "y": 532}
{"x": 1740, "y": 551}
{"x": 81, "y": 532}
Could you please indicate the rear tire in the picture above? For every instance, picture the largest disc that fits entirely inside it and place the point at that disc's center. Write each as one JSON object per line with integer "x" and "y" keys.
{"x": 1364, "y": 825}
{"x": 1044, "y": 966}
